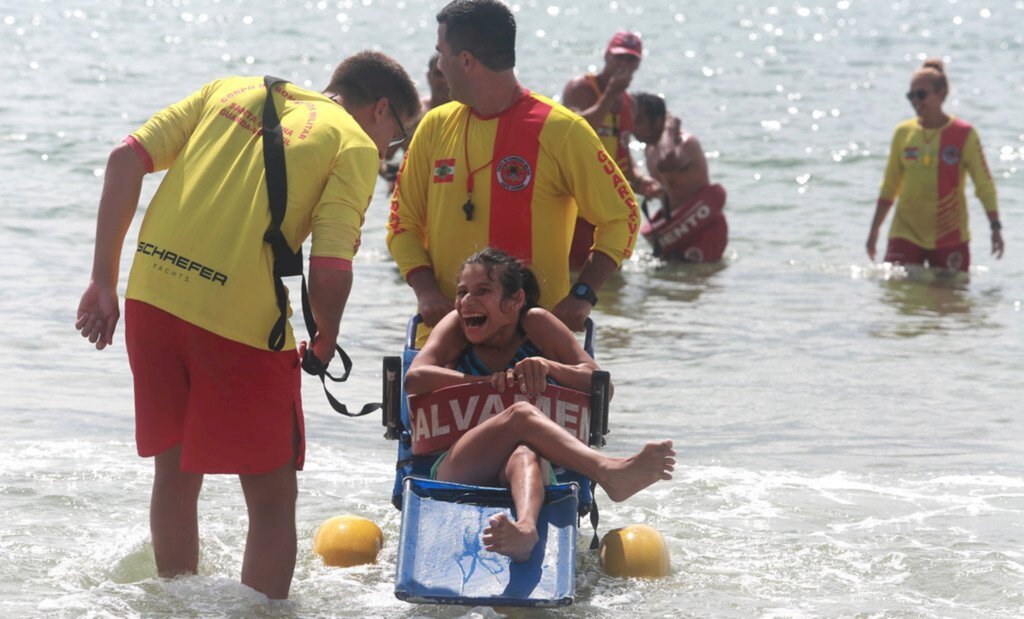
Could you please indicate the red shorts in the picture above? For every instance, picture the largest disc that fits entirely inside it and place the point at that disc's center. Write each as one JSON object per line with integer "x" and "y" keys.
{"x": 954, "y": 257}
{"x": 233, "y": 408}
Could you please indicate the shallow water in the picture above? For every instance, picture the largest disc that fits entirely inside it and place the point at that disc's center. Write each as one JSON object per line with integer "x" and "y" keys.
{"x": 849, "y": 434}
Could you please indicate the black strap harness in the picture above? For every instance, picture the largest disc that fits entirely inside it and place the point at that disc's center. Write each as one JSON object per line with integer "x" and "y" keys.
{"x": 288, "y": 263}
{"x": 665, "y": 213}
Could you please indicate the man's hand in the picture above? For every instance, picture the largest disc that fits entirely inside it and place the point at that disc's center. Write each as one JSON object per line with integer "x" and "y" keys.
{"x": 122, "y": 182}
{"x": 433, "y": 306}
{"x": 314, "y": 358}
{"x": 619, "y": 81}
{"x": 430, "y": 302}
{"x": 648, "y": 187}
{"x": 98, "y": 314}
{"x": 323, "y": 349}
{"x": 573, "y": 311}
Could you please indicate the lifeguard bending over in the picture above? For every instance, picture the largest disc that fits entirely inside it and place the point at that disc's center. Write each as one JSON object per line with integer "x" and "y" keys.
{"x": 498, "y": 335}
{"x": 691, "y": 225}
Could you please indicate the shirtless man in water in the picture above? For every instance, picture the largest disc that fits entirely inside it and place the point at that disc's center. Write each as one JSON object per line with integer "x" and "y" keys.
{"x": 674, "y": 156}
{"x": 676, "y": 160}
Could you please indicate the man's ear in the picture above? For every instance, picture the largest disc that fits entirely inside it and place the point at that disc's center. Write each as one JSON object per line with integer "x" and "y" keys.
{"x": 380, "y": 109}
{"x": 468, "y": 61}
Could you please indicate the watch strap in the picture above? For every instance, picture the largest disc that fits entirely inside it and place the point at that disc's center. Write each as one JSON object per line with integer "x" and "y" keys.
{"x": 585, "y": 292}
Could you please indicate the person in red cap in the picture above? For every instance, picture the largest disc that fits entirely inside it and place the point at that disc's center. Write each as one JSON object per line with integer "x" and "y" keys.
{"x": 602, "y": 100}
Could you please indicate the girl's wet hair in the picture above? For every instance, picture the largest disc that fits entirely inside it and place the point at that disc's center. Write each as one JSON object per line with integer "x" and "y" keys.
{"x": 513, "y": 275}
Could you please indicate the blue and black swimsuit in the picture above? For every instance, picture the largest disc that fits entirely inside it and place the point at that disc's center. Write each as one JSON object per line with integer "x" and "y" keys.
{"x": 469, "y": 363}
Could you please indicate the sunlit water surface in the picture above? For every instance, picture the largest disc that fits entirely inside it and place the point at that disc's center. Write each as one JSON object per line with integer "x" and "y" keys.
{"x": 849, "y": 434}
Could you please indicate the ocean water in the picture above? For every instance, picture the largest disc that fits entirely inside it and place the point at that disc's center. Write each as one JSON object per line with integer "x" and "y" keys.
{"x": 849, "y": 434}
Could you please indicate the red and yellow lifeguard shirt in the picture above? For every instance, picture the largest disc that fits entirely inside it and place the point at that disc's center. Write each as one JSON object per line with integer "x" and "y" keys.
{"x": 201, "y": 254}
{"x": 926, "y": 170}
{"x": 616, "y": 128}
{"x": 537, "y": 165}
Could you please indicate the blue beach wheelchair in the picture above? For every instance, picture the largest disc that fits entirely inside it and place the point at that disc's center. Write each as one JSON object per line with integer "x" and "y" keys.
{"x": 441, "y": 559}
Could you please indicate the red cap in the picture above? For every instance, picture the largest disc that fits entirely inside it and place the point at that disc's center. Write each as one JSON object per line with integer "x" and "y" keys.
{"x": 626, "y": 43}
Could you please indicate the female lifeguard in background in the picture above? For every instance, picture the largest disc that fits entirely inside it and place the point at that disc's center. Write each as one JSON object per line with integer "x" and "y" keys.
{"x": 930, "y": 156}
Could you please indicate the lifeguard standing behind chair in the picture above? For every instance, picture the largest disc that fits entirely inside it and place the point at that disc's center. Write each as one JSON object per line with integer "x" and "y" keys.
{"x": 503, "y": 167}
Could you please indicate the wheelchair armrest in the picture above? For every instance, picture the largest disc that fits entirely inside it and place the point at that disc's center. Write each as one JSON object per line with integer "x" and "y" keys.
{"x": 588, "y": 337}
{"x": 391, "y": 399}
{"x": 600, "y": 394}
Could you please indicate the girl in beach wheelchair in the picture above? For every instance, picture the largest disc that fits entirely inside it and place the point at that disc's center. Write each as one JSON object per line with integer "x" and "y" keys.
{"x": 501, "y": 394}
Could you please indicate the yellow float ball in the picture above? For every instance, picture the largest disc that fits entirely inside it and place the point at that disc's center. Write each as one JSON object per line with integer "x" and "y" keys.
{"x": 636, "y": 550}
{"x": 344, "y": 541}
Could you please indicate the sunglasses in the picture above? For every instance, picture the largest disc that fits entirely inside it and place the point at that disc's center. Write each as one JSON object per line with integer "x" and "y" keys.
{"x": 919, "y": 94}
{"x": 405, "y": 136}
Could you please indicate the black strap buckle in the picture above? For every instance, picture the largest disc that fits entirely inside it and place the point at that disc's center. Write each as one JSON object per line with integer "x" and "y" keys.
{"x": 311, "y": 364}
{"x": 595, "y": 517}
{"x": 656, "y": 246}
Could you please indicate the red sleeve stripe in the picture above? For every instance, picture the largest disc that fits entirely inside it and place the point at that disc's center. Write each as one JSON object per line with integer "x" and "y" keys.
{"x": 326, "y": 262}
{"x": 141, "y": 151}
{"x": 419, "y": 268}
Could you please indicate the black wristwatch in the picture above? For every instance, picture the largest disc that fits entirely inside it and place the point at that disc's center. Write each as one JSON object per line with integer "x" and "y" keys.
{"x": 585, "y": 292}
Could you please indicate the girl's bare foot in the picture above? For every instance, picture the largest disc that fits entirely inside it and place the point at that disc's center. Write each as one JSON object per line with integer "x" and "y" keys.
{"x": 627, "y": 476}
{"x": 512, "y": 539}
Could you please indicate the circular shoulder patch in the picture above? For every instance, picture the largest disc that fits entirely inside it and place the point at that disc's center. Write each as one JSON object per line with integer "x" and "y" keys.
{"x": 513, "y": 173}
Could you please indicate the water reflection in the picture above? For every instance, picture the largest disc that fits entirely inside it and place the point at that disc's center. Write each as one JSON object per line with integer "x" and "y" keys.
{"x": 650, "y": 281}
{"x": 930, "y": 301}
{"x": 654, "y": 305}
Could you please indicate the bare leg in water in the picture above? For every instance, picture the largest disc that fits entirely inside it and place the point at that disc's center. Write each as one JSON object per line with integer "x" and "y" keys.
{"x": 173, "y": 519}
{"x": 270, "y": 546}
{"x": 485, "y": 454}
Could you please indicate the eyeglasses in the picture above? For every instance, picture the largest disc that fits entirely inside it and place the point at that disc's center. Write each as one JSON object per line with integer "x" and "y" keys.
{"x": 919, "y": 94}
{"x": 405, "y": 136}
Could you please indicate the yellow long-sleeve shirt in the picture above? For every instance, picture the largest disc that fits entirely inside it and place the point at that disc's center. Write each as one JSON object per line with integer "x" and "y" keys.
{"x": 926, "y": 170}
{"x": 534, "y": 167}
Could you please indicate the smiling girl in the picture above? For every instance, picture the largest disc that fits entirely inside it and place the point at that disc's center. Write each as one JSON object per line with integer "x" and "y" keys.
{"x": 496, "y": 334}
